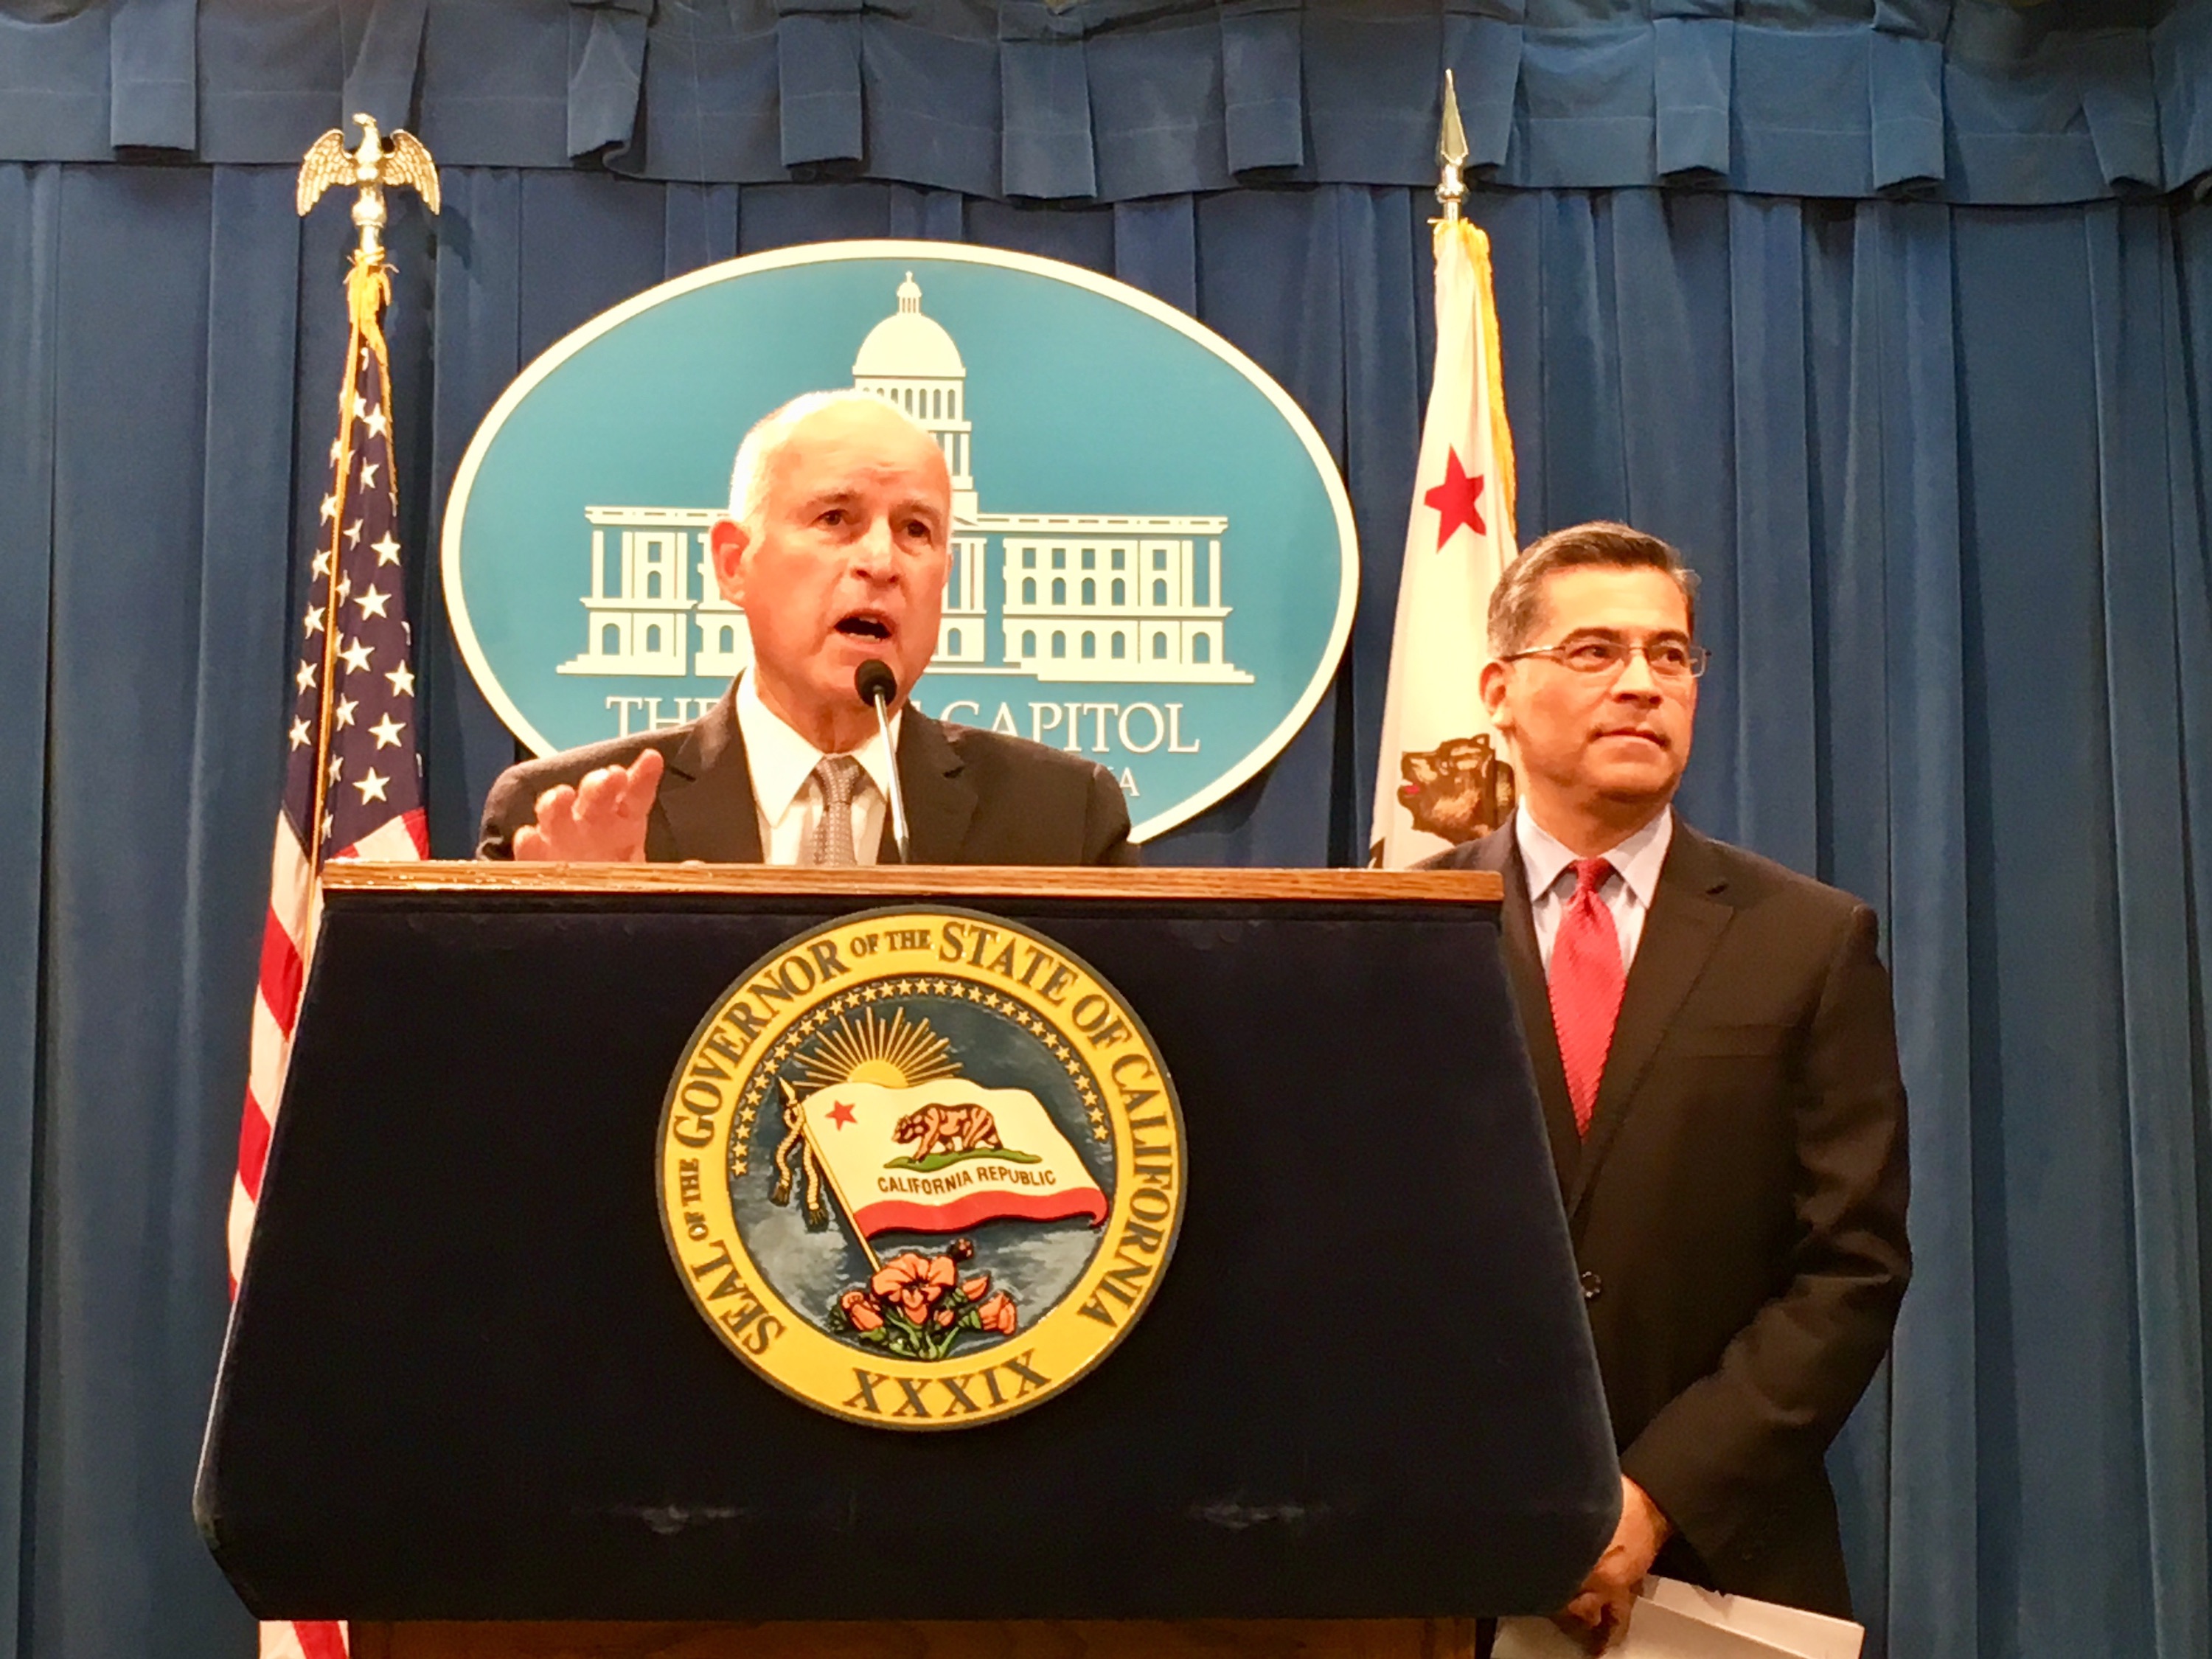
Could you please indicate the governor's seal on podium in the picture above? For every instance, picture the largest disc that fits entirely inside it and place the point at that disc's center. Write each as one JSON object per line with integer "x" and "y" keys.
{"x": 922, "y": 1167}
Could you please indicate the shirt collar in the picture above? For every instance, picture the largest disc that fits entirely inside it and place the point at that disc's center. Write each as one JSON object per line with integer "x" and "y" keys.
{"x": 780, "y": 760}
{"x": 1637, "y": 859}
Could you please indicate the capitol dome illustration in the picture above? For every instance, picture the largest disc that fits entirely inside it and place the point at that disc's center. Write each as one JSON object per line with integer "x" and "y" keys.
{"x": 1120, "y": 598}
{"x": 909, "y": 359}
{"x": 906, "y": 344}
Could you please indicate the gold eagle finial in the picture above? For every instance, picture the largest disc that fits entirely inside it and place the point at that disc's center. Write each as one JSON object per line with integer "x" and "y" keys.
{"x": 371, "y": 168}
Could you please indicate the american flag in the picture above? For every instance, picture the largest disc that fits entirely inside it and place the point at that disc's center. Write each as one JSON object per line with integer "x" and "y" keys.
{"x": 354, "y": 788}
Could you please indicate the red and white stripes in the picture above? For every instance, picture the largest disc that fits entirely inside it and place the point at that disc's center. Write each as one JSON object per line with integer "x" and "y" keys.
{"x": 287, "y": 946}
{"x": 285, "y": 939}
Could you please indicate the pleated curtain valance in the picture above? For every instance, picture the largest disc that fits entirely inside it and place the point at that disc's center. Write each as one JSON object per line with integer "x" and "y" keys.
{"x": 1995, "y": 101}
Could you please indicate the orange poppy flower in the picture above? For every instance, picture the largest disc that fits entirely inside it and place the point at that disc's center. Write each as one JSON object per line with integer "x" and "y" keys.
{"x": 914, "y": 1282}
{"x": 860, "y": 1311}
{"x": 998, "y": 1314}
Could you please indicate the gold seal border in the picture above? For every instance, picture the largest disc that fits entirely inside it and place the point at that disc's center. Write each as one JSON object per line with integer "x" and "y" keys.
{"x": 719, "y": 1275}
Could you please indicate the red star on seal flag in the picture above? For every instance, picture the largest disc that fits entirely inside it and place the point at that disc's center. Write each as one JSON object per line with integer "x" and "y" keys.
{"x": 1455, "y": 500}
{"x": 841, "y": 1114}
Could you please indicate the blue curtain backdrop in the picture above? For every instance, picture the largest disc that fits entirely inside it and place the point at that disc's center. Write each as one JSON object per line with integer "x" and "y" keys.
{"x": 1897, "y": 317}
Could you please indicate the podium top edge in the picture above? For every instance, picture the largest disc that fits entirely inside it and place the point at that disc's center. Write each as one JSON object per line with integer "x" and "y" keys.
{"x": 939, "y": 881}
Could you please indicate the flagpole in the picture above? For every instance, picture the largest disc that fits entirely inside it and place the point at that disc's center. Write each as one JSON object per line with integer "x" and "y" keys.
{"x": 328, "y": 731}
{"x": 1443, "y": 778}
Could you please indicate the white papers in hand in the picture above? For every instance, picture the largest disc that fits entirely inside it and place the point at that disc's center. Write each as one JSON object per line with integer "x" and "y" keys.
{"x": 1675, "y": 1621}
{"x": 1790, "y": 1630}
{"x": 1533, "y": 1639}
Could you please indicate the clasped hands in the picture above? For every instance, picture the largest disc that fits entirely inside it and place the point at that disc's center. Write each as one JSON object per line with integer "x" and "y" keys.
{"x": 601, "y": 819}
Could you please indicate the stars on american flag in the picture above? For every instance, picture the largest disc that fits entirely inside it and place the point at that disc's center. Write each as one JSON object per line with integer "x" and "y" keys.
{"x": 355, "y": 629}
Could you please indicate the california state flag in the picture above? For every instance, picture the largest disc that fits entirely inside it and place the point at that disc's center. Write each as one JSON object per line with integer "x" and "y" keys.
{"x": 943, "y": 1156}
{"x": 1443, "y": 778}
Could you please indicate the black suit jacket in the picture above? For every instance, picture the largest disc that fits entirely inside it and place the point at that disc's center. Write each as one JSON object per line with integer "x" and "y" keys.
{"x": 1738, "y": 1208}
{"x": 972, "y": 797}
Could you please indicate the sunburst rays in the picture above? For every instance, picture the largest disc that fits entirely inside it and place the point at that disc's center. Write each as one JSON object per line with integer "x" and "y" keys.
{"x": 898, "y": 1051}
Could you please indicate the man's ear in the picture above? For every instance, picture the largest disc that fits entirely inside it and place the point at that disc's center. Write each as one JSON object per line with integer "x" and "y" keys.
{"x": 727, "y": 542}
{"x": 1494, "y": 681}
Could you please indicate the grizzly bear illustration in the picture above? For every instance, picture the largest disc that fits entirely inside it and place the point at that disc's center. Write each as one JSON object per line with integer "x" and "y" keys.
{"x": 1460, "y": 790}
{"x": 948, "y": 1128}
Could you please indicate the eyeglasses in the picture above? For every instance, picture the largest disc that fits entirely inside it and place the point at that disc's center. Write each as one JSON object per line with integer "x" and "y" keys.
{"x": 1598, "y": 654}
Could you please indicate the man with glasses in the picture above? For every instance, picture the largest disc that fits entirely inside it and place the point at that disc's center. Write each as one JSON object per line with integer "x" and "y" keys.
{"x": 1717, "y": 1057}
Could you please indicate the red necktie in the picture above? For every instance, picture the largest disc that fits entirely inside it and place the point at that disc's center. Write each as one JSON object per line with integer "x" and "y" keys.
{"x": 1587, "y": 980}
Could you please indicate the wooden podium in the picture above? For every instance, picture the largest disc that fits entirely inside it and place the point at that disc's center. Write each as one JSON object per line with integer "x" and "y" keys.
{"x": 466, "y": 1404}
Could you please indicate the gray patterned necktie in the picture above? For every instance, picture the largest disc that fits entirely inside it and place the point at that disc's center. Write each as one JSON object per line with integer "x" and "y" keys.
{"x": 838, "y": 777}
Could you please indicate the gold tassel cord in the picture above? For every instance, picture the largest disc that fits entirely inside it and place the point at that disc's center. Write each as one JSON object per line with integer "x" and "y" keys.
{"x": 368, "y": 286}
{"x": 368, "y": 290}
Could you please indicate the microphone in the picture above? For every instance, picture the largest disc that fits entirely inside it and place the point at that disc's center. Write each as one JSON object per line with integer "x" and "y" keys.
{"x": 876, "y": 685}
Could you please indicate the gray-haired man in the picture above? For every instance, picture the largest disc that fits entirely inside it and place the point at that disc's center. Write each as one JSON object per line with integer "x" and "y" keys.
{"x": 836, "y": 546}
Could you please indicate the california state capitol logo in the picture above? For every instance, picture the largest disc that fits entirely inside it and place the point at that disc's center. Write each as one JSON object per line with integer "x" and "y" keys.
{"x": 921, "y": 1168}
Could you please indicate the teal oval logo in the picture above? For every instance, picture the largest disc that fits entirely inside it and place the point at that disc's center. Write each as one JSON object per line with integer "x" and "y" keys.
{"x": 1154, "y": 559}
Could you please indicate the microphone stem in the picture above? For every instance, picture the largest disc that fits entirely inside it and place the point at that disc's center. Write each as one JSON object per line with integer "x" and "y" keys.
{"x": 898, "y": 795}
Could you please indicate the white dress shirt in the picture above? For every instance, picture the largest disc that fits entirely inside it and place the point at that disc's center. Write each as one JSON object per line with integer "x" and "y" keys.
{"x": 786, "y": 797}
{"x": 1627, "y": 891}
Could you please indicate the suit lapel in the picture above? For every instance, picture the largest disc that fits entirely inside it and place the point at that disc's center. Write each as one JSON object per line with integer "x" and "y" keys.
{"x": 1686, "y": 920}
{"x": 1524, "y": 964}
{"x": 705, "y": 810}
{"x": 939, "y": 802}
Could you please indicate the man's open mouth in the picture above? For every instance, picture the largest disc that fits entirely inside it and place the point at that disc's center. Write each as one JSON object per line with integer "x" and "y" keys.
{"x": 865, "y": 625}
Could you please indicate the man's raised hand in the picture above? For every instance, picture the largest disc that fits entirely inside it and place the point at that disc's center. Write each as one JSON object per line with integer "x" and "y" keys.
{"x": 601, "y": 820}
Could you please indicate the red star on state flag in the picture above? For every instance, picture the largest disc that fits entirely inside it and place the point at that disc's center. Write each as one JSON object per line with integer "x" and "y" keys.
{"x": 1455, "y": 500}
{"x": 841, "y": 1114}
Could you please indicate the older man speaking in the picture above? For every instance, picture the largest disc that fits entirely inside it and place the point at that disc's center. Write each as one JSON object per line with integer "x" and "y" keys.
{"x": 837, "y": 547}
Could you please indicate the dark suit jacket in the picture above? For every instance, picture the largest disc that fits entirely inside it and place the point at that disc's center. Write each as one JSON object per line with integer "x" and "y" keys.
{"x": 971, "y": 797}
{"x": 1738, "y": 1209}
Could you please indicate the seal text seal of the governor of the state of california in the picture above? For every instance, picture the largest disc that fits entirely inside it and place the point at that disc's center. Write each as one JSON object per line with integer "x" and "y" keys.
{"x": 920, "y": 1168}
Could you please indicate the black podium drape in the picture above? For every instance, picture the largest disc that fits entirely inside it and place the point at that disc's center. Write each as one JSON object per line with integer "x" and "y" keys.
{"x": 1943, "y": 465}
